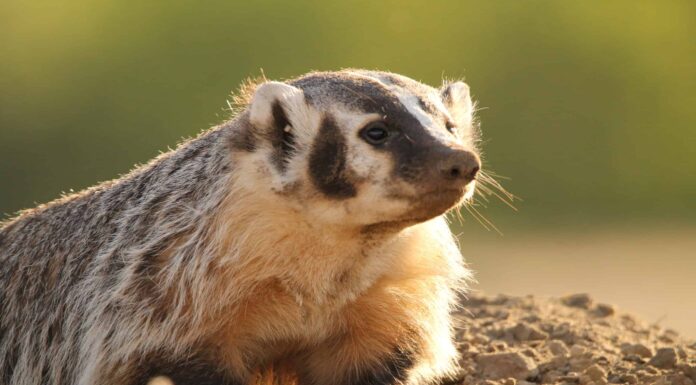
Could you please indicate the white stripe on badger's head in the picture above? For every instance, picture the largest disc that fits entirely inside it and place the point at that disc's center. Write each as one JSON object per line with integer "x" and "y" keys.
{"x": 356, "y": 148}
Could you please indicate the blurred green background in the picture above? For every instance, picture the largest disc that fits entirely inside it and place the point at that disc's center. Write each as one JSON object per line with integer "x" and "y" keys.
{"x": 589, "y": 108}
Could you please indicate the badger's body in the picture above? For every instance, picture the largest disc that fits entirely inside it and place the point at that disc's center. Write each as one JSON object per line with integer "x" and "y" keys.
{"x": 309, "y": 230}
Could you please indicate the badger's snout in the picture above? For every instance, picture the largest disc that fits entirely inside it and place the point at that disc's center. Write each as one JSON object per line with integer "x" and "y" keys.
{"x": 443, "y": 179}
{"x": 456, "y": 168}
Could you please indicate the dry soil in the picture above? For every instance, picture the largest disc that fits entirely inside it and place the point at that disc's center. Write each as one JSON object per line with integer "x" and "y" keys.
{"x": 572, "y": 340}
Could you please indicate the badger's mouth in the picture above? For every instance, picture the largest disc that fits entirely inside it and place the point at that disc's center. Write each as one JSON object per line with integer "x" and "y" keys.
{"x": 422, "y": 206}
{"x": 437, "y": 202}
{"x": 429, "y": 204}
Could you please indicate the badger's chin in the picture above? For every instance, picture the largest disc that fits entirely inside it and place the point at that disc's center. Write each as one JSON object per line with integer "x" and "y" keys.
{"x": 435, "y": 203}
{"x": 423, "y": 207}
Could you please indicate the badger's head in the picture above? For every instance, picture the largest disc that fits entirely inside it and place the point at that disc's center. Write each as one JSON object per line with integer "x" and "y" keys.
{"x": 360, "y": 148}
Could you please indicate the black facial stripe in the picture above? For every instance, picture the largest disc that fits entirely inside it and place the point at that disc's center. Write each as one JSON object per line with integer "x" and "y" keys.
{"x": 412, "y": 148}
{"x": 283, "y": 141}
{"x": 327, "y": 162}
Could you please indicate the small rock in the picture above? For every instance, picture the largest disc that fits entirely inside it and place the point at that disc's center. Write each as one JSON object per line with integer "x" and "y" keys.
{"x": 665, "y": 358}
{"x": 502, "y": 314}
{"x": 559, "y": 361}
{"x": 558, "y": 348}
{"x": 509, "y": 381}
{"x": 524, "y": 332}
{"x": 580, "y": 363}
{"x": 629, "y": 378}
{"x": 577, "y": 300}
{"x": 570, "y": 377}
{"x": 634, "y": 358}
{"x": 480, "y": 340}
{"x": 500, "y": 346}
{"x": 651, "y": 370}
{"x": 636, "y": 349}
{"x": 679, "y": 379}
{"x": 596, "y": 373}
{"x": 577, "y": 350}
{"x": 689, "y": 371}
{"x": 531, "y": 318}
{"x": 560, "y": 330}
{"x": 506, "y": 365}
{"x": 682, "y": 353}
{"x": 662, "y": 381}
{"x": 531, "y": 353}
{"x": 552, "y": 376}
{"x": 603, "y": 310}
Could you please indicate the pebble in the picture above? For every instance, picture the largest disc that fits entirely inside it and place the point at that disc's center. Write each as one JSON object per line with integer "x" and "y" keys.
{"x": 502, "y": 314}
{"x": 552, "y": 376}
{"x": 570, "y": 377}
{"x": 561, "y": 330}
{"x": 500, "y": 346}
{"x": 580, "y": 363}
{"x": 558, "y": 348}
{"x": 497, "y": 366}
{"x": 596, "y": 373}
{"x": 604, "y": 310}
{"x": 577, "y": 350}
{"x": 636, "y": 349}
{"x": 679, "y": 379}
{"x": 689, "y": 371}
{"x": 682, "y": 353}
{"x": 524, "y": 332}
{"x": 665, "y": 358}
{"x": 629, "y": 378}
{"x": 577, "y": 300}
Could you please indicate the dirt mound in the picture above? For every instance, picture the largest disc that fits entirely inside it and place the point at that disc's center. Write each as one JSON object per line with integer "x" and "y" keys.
{"x": 573, "y": 340}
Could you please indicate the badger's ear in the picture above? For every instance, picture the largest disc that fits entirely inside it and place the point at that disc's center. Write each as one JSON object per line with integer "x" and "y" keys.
{"x": 272, "y": 104}
{"x": 456, "y": 97}
{"x": 274, "y": 111}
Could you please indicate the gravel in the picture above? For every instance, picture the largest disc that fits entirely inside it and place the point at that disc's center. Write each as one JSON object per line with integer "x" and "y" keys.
{"x": 508, "y": 340}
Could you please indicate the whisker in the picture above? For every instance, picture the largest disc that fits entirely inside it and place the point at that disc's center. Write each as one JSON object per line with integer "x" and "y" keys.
{"x": 490, "y": 182}
{"x": 505, "y": 199}
{"x": 486, "y": 220}
{"x": 468, "y": 208}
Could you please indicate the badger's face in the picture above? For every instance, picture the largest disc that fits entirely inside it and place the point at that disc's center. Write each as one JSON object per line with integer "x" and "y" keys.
{"x": 359, "y": 148}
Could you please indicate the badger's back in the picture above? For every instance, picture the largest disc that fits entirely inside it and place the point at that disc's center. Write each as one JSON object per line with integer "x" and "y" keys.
{"x": 89, "y": 257}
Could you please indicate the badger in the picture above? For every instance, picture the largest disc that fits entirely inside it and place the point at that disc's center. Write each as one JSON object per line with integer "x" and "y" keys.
{"x": 307, "y": 232}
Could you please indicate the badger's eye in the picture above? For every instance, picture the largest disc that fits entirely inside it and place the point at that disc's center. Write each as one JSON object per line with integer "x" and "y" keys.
{"x": 375, "y": 133}
{"x": 450, "y": 126}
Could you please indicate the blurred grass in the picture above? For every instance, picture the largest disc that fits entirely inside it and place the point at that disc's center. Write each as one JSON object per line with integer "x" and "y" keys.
{"x": 589, "y": 106}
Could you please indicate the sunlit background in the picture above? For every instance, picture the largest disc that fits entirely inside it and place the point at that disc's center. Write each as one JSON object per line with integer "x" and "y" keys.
{"x": 589, "y": 107}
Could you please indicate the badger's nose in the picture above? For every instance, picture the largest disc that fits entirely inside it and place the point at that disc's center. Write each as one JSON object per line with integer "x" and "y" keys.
{"x": 459, "y": 167}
